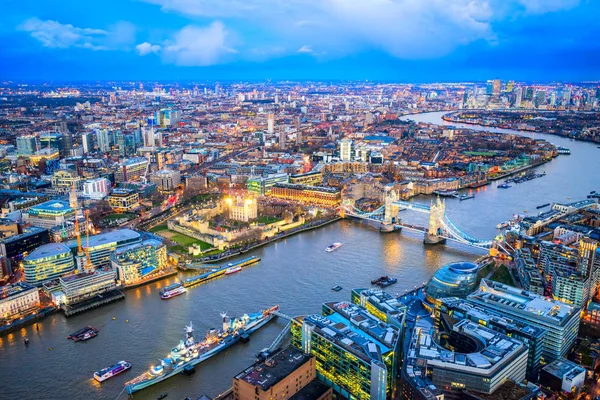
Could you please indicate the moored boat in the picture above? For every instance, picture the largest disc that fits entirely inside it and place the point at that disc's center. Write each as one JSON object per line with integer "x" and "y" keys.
{"x": 189, "y": 352}
{"x": 172, "y": 291}
{"x": 232, "y": 270}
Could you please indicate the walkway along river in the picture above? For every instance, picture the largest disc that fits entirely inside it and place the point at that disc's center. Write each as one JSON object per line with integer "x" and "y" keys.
{"x": 296, "y": 273}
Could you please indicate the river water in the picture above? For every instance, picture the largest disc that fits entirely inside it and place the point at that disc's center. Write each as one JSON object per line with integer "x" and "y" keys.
{"x": 295, "y": 273}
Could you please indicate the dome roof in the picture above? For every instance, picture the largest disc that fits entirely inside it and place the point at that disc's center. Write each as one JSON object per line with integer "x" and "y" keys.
{"x": 456, "y": 279}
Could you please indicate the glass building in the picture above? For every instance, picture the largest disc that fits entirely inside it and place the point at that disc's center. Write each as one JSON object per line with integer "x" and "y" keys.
{"x": 456, "y": 279}
{"x": 101, "y": 246}
{"x": 137, "y": 261}
{"x": 47, "y": 262}
{"x": 355, "y": 352}
{"x": 560, "y": 320}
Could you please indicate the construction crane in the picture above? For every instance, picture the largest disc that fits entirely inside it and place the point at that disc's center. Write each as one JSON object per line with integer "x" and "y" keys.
{"x": 88, "y": 264}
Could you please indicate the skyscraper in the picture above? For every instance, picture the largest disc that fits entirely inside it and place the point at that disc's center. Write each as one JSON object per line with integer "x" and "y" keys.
{"x": 103, "y": 140}
{"x": 346, "y": 149}
{"x": 586, "y": 266}
{"x": 496, "y": 87}
{"x": 518, "y": 97}
{"x": 26, "y": 144}
{"x": 282, "y": 138}
{"x": 87, "y": 142}
{"x": 271, "y": 124}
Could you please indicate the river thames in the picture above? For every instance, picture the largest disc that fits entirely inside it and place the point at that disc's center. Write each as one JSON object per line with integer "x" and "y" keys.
{"x": 295, "y": 273}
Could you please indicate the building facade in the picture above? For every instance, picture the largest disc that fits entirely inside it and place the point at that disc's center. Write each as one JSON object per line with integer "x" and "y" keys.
{"x": 123, "y": 200}
{"x": 47, "y": 262}
{"x": 324, "y": 196}
{"x": 136, "y": 262}
{"x": 18, "y": 298}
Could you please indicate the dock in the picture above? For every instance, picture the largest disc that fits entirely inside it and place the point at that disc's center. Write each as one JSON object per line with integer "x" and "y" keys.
{"x": 100, "y": 300}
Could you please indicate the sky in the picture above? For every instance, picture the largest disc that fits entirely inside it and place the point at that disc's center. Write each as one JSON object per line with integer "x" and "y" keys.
{"x": 390, "y": 40}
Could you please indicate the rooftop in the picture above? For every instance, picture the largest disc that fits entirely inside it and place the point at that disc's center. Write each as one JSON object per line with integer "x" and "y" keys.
{"x": 52, "y": 206}
{"x": 14, "y": 289}
{"x": 523, "y": 302}
{"x": 48, "y": 250}
{"x": 31, "y": 230}
{"x": 313, "y": 390}
{"x": 116, "y": 236}
{"x": 563, "y": 367}
{"x": 268, "y": 373}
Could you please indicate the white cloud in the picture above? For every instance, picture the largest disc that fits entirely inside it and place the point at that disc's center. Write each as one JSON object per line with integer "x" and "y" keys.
{"x": 305, "y": 49}
{"x": 54, "y": 34}
{"x": 193, "y": 46}
{"x": 409, "y": 29}
{"x": 147, "y": 48}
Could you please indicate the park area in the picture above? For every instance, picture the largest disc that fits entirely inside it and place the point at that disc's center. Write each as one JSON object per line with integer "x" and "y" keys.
{"x": 183, "y": 241}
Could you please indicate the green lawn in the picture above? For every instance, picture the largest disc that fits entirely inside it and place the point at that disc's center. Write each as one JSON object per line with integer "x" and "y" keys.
{"x": 159, "y": 228}
{"x": 267, "y": 220}
{"x": 502, "y": 275}
{"x": 119, "y": 216}
{"x": 186, "y": 241}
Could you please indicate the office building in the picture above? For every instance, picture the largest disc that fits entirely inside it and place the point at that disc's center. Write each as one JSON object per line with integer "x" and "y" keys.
{"x": 282, "y": 139}
{"x": 132, "y": 169}
{"x": 563, "y": 375}
{"x": 124, "y": 200}
{"x": 18, "y": 299}
{"x": 87, "y": 142}
{"x": 166, "y": 180}
{"x": 63, "y": 181}
{"x": 271, "y": 123}
{"x": 312, "y": 178}
{"x": 456, "y": 279}
{"x": 263, "y": 185}
{"x": 570, "y": 287}
{"x": 346, "y": 150}
{"x": 103, "y": 140}
{"x": 496, "y": 87}
{"x": 49, "y": 214}
{"x": 137, "y": 261}
{"x": 468, "y": 357}
{"x": 15, "y": 246}
{"x": 560, "y": 320}
{"x": 100, "y": 247}
{"x": 47, "y": 262}
{"x": 587, "y": 267}
{"x": 96, "y": 189}
{"x": 26, "y": 145}
{"x": 54, "y": 141}
{"x": 318, "y": 195}
{"x": 355, "y": 353}
{"x": 47, "y": 154}
{"x": 455, "y": 309}
{"x": 382, "y": 305}
{"x": 84, "y": 285}
{"x": 282, "y": 376}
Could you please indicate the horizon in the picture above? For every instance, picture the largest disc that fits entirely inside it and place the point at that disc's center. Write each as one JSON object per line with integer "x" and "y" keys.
{"x": 300, "y": 40}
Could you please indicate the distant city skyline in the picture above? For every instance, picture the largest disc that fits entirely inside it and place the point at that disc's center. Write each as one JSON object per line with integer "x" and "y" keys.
{"x": 429, "y": 40}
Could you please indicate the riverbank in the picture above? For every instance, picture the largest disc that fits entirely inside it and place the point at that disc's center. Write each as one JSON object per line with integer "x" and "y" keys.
{"x": 167, "y": 274}
{"x": 447, "y": 118}
{"x": 279, "y": 236}
{"x": 30, "y": 319}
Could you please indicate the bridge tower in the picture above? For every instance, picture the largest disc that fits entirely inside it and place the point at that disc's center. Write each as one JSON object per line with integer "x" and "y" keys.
{"x": 390, "y": 212}
{"x": 435, "y": 231}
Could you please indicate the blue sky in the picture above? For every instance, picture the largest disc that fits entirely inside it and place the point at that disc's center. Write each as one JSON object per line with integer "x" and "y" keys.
{"x": 400, "y": 40}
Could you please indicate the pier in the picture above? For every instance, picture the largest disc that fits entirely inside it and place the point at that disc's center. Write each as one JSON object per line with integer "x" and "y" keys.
{"x": 95, "y": 302}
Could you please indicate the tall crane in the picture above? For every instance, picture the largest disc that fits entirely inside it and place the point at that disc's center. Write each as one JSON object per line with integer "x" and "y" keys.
{"x": 89, "y": 267}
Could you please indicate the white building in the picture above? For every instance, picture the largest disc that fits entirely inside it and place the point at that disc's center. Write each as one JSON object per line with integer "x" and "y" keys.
{"x": 242, "y": 209}
{"x": 96, "y": 189}
{"x": 166, "y": 180}
{"x": 346, "y": 150}
{"x": 78, "y": 287}
{"x": 271, "y": 123}
{"x": 18, "y": 298}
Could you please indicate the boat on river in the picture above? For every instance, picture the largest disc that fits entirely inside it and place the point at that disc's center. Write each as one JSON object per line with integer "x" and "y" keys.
{"x": 190, "y": 352}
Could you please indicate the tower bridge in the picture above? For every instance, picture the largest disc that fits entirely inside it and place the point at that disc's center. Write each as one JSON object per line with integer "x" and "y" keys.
{"x": 440, "y": 229}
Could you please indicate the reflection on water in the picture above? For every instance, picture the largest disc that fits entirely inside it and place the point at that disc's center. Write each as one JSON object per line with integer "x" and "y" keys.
{"x": 296, "y": 273}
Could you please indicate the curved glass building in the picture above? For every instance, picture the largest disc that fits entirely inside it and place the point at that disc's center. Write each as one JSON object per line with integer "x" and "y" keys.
{"x": 47, "y": 262}
{"x": 456, "y": 279}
